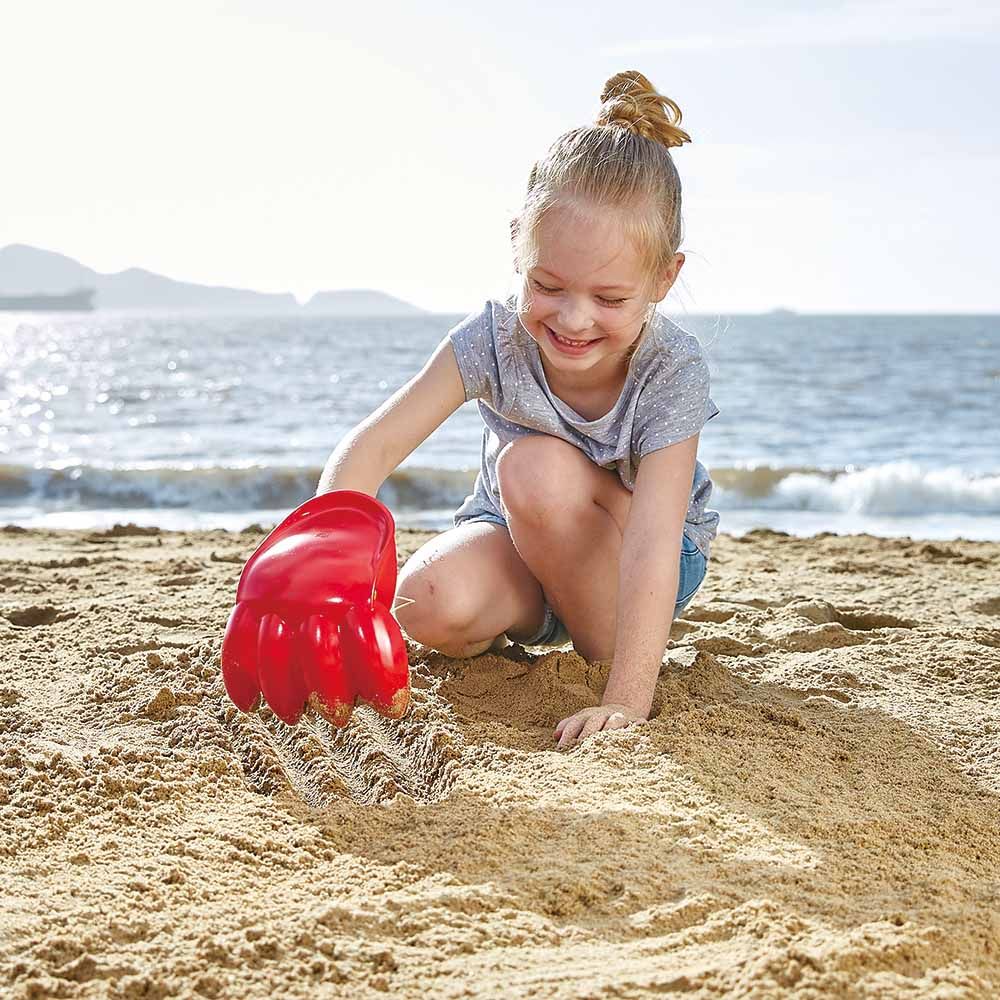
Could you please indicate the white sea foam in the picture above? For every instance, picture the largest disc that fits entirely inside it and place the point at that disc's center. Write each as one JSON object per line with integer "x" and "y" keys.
{"x": 903, "y": 489}
{"x": 895, "y": 489}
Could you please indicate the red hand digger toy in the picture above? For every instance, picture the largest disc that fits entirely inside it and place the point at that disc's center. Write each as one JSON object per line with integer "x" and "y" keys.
{"x": 311, "y": 623}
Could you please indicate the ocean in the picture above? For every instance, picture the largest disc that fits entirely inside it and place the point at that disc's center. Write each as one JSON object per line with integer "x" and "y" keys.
{"x": 882, "y": 424}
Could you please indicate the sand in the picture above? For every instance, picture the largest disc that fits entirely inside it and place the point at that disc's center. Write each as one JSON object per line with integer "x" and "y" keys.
{"x": 813, "y": 809}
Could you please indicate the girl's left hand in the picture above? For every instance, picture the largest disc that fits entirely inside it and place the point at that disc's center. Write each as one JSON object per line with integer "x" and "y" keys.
{"x": 588, "y": 721}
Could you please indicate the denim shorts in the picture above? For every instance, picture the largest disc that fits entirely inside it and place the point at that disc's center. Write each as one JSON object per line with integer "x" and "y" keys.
{"x": 694, "y": 565}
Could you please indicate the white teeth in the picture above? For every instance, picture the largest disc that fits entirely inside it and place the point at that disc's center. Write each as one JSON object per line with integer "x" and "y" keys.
{"x": 572, "y": 343}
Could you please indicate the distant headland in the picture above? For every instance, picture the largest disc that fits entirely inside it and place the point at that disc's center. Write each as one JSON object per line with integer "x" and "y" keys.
{"x": 36, "y": 279}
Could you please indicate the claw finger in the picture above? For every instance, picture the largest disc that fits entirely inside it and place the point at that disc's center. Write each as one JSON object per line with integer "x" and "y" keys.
{"x": 239, "y": 658}
{"x": 280, "y": 680}
{"x": 394, "y": 694}
{"x": 320, "y": 654}
{"x": 376, "y": 655}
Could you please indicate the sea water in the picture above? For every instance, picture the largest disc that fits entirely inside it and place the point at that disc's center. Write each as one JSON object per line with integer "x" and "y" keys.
{"x": 881, "y": 424}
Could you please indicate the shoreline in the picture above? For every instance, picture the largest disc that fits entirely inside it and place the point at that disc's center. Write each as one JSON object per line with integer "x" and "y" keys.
{"x": 962, "y": 527}
{"x": 813, "y": 805}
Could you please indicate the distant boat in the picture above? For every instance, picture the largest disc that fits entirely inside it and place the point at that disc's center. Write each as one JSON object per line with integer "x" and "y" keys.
{"x": 782, "y": 311}
{"x": 79, "y": 300}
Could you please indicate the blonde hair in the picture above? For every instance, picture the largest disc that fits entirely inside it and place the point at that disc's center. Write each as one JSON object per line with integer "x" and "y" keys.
{"x": 620, "y": 161}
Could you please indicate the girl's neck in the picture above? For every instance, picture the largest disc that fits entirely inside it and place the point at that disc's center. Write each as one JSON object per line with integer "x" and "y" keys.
{"x": 595, "y": 382}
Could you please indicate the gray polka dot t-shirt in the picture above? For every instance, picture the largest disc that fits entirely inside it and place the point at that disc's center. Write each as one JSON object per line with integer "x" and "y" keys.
{"x": 665, "y": 400}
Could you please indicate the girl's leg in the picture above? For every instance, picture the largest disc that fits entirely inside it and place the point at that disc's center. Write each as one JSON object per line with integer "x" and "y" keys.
{"x": 569, "y": 537}
{"x": 460, "y": 592}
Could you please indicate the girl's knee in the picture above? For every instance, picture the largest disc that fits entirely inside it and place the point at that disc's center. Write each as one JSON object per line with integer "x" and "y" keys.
{"x": 431, "y": 610}
{"x": 537, "y": 471}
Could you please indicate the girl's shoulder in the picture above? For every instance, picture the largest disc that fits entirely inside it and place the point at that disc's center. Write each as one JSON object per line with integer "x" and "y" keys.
{"x": 495, "y": 313}
{"x": 508, "y": 332}
{"x": 494, "y": 321}
{"x": 671, "y": 357}
{"x": 670, "y": 342}
{"x": 504, "y": 308}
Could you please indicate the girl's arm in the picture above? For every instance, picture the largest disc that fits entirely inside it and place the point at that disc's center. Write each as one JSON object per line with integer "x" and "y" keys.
{"x": 649, "y": 573}
{"x": 369, "y": 453}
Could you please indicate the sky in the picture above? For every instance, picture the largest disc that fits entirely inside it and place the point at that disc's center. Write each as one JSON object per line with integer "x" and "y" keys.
{"x": 845, "y": 156}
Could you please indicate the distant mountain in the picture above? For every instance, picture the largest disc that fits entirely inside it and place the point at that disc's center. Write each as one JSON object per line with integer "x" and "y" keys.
{"x": 26, "y": 270}
{"x": 360, "y": 302}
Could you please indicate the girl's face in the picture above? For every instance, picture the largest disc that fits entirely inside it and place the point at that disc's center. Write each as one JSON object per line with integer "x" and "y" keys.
{"x": 589, "y": 287}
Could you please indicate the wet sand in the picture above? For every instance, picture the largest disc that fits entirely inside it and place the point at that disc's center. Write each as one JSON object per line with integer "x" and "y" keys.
{"x": 813, "y": 809}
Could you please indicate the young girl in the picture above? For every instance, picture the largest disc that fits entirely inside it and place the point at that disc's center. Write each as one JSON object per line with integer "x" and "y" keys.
{"x": 588, "y": 521}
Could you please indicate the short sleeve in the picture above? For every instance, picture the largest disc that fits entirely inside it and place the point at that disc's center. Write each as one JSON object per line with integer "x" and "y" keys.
{"x": 474, "y": 342}
{"x": 675, "y": 403}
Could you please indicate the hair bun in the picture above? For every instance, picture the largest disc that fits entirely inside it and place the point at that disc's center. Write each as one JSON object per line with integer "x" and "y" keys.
{"x": 631, "y": 101}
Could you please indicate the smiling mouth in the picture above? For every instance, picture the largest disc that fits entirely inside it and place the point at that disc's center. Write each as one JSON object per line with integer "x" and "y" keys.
{"x": 568, "y": 342}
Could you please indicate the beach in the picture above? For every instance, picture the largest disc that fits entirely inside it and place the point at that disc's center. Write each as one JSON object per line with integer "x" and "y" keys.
{"x": 813, "y": 809}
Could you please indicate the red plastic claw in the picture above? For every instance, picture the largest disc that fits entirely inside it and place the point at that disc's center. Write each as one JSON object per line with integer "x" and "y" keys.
{"x": 239, "y": 658}
{"x": 378, "y": 659}
{"x": 311, "y": 624}
{"x": 280, "y": 676}
{"x": 325, "y": 672}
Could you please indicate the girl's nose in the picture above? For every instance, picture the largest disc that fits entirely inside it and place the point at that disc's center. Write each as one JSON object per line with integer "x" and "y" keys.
{"x": 574, "y": 318}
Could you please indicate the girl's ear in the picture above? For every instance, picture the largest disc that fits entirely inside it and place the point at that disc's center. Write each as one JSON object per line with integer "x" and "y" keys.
{"x": 668, "y": 277}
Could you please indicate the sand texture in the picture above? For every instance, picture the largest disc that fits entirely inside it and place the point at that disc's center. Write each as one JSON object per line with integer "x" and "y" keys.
{"x": 812, "y": 811}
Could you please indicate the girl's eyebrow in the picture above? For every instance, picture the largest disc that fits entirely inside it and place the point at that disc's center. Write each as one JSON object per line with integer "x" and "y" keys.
{"x": 598, "y": 288}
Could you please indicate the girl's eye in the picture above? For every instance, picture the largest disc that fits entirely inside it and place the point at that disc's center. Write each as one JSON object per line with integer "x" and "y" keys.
{"x": 545, "y": 288}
